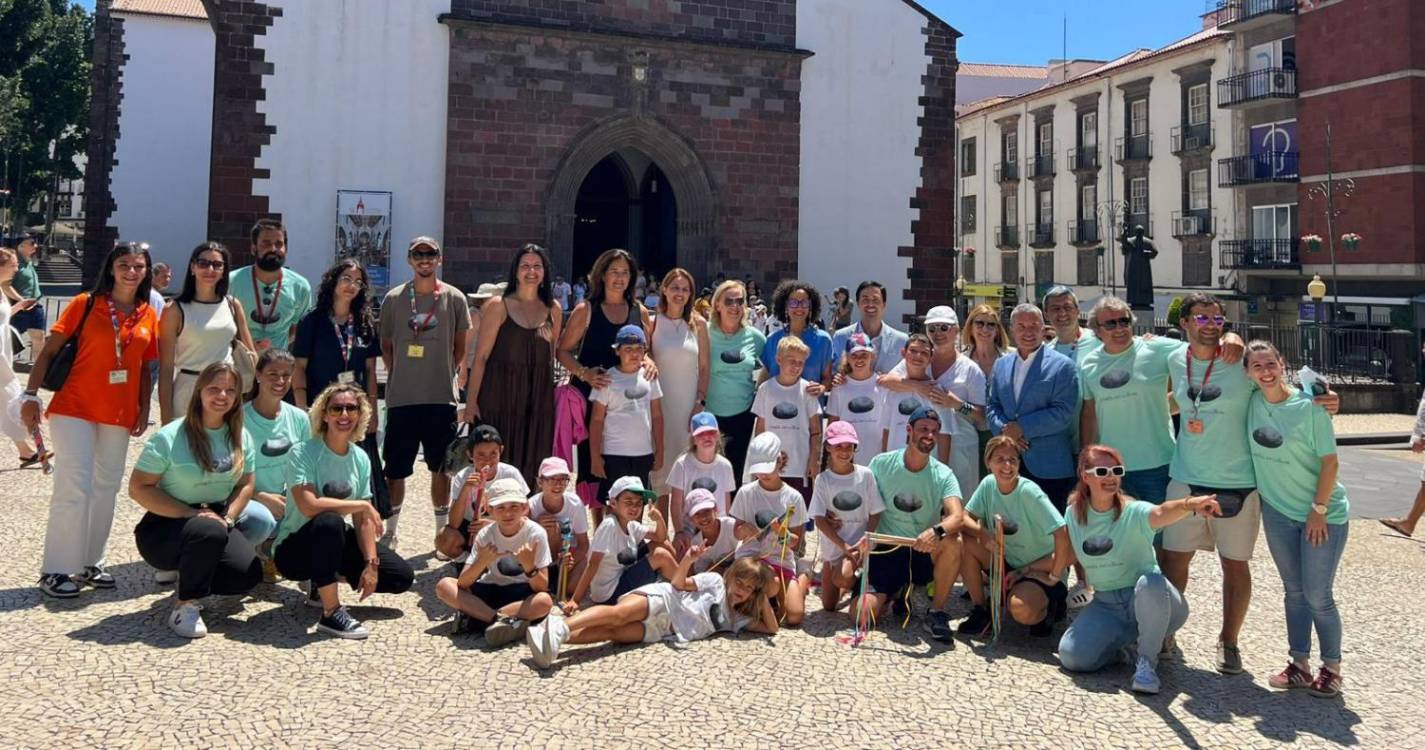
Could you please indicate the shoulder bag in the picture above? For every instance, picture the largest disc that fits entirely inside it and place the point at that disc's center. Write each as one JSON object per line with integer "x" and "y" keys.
{"x": 63, "y": 360}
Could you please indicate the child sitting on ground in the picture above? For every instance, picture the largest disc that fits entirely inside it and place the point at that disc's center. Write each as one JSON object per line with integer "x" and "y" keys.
{"x": 714, "y": 532}
{"x": 555, "y": 507}
{"x": 624, "y": 553}
{"x": 845, "y": 505}
{"x": 483, "y": 448}
{"x": 771, "y": 509}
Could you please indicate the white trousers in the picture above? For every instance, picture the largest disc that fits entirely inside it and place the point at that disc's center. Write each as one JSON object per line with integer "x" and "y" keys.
{"x": 88, "y": 467}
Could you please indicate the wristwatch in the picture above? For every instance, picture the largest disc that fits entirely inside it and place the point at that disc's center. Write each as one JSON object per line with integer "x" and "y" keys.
{"x": 965, "y": 408}
{"x": 1318, "y": 508}
{"x": 939, "y": 531}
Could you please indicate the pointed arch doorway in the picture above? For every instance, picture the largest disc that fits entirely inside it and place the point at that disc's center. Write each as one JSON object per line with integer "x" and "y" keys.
{"x": 626, "y": 201}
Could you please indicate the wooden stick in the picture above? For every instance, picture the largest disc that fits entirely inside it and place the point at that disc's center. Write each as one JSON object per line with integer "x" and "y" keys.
{"x": 890, "y": 540}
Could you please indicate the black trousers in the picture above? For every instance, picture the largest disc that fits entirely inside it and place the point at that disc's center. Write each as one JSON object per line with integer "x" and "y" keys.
{"x": 326, "y": 547}
{"x": 623, "y": 466}
{"x": 210, "y": 558}
{"x": 1058, "y": 490}
{"x": 736, "y": 435}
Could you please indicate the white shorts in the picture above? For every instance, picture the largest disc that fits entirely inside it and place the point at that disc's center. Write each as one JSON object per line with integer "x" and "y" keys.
{"x": 659, "y": 623}
{"x": 1234, "y": 538}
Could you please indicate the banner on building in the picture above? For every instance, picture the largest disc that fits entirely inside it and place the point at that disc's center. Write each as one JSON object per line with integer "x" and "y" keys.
{"x": 363, "y": 232}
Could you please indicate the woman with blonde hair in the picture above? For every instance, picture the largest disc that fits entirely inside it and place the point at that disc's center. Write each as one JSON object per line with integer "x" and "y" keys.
{"x": 984, "y": 339}
{"x": 733, "y": 349}
{"x": 679, "y": 346}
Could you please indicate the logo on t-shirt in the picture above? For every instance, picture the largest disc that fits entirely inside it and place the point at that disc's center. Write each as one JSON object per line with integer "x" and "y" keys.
{"x": 1097, "y": 546}
{"x": 1268, "y": 437}
{"x": 277, "y": 446}
{"x": 627, "y": 557}
{"x": 508, "y": 566}
{"x": 636, "y": 392}
{"x": 1206, "y": 393}
{"x": 705, "y": 483}
{"x": 718, "y": 617}
{"x": 1115, "y": 379}
{"x": 907, "y": 503}
{"x": 732, "y": 357}
{"x": 337, "y": 489}
{"x": 764, "y": 518}
{"x": 908, "y": 406}
{"x": 785, "y": 410}
{"x": 861, "y": 405}
{"x": 846, "y": 500}
{"x": 222, "y": 464}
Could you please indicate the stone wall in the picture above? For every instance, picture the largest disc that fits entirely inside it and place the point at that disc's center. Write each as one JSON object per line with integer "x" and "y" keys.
{"x": 106, "y": 87}
{"x": 768, "y": 23}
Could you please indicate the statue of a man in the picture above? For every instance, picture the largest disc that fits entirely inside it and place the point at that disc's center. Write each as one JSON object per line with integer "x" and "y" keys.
{"x": 1138, "y": 254}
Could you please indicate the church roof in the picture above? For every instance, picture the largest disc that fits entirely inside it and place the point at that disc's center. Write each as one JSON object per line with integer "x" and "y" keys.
{"x": 174, "y": 8}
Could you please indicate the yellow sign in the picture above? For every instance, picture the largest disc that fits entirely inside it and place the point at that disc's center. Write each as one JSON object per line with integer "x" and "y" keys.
{"x": 984, "y": 290}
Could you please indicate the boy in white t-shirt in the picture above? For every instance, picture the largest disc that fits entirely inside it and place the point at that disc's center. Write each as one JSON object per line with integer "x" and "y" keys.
{"x": 506, "y": 583}
{"x": 783, "y": 407}
{"x": 563, "y": 516}
{"x": 768, "y": 507}
{"x": 845, "y": 506}
{"x": 626, "y": 424}
{"x": 624, "y": 553}
{"x": 896, "y": 411}
{"x": 484, "y": 447}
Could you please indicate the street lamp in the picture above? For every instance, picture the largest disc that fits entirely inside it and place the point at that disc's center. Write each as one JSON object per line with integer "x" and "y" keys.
{"x": 1316, "y": 290}
{"x": 959, "y": 296}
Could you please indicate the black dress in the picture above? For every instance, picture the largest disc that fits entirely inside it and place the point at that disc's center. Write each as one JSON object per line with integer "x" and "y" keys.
{"x": 517, "y": 394}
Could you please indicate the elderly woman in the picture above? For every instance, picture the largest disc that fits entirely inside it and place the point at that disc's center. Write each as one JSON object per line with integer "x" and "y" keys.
{"x": 733, "y": 349}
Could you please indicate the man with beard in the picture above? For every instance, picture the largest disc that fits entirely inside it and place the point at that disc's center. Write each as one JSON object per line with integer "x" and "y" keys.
{"x": 886, "y": 339}
{"x": 276, "y": 297}
{"x": 423, "y": 325}
{"x": 922, "y": 501}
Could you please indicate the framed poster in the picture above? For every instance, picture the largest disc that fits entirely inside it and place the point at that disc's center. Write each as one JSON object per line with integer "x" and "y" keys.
{"x": 363, "y": 232}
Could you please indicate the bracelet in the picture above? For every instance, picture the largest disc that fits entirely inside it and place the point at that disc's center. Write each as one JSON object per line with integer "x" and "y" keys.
{"x": 373, "y": 562}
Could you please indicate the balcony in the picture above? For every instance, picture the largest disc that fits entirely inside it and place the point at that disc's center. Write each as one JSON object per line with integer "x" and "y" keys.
{"x": 1201, "y": 223}
{"x": 1261, "y": 255}
{"x": 1130, "y": 224}
{"x": 1133, "y": 148}
{"x": 1083, "y": 232}
{"x": 1257, "y": 86}
{"x": 1041, "y": 165}
{"x": 1240, "y": 15}
{"x": 1083, "y": 159}
{"x": 1040, "y": 234}
{"x": 1257, "y": 169}
{"x": 1007, "y": 236}
{"x": 1190, "y": 139}
{"x": 1007, "y": 171}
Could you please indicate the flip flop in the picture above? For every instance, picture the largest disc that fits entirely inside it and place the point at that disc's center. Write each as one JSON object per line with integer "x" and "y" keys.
{"x": 1394, "y": 525}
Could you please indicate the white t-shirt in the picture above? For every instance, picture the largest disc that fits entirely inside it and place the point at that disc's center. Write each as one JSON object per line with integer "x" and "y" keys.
{"x": 502, "y": 471}
{"x": 573, "y": 511}
{"x": 966, "y": 380}
{"x": 689, "y": 474}
{"x": 896, "y": 409}
{"x": 506, "y": 570}
{"x": 628, "y": 420}
{"x": 752, "y": 500}
{"x": 786, "y": 409}
{"x": 726, "y": 542}
{"x": 697, "y": 614}
{"x": 852, "y": 498}
{"x": 610, "y": 539}
{"x": 859, "y": 402}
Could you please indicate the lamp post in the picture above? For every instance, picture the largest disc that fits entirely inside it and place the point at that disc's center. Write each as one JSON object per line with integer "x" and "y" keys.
{"x": 1316, "y": 289}
{"x": 1112, "y": 209}
{"x": 960, "y": 296}
{"x": 1327, "y": 192}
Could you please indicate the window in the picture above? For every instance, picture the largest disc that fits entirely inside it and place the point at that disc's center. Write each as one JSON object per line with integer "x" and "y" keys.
{"x": 1138, "y": 118}
{"x": 1044, "y": 268}
{"x": 1011, "y": 146}
{"x": 1009, "y": 267}
{"x": 967, "y": 266}
{"x": 1197, "y": 104}
{"x": 1274, "y": 222}
{"x": 1198, "y": 196}
{"x": 1138, "y": 196}
{"x": 1088, "y": 130}
{"x": 967, "y": 214}
{"x": 1197, "y": 264}
{"x": 967, "y": 157}
{"x": 1088, "y": 267}
{"x": 1011, "y": 210}
{"x": 1088, "y": 201}
{"x": 1046, "y": 139}
{"x": 1046, "y": 207}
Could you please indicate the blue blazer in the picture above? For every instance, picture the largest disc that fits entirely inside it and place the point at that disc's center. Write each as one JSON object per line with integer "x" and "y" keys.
{"x": 1044, "y": 410}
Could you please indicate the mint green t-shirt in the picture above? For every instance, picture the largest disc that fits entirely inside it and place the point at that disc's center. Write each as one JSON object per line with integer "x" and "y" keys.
{"x": 1026, "y": 505}
{"x": 1288, "y": 441}
{"x": 913, "y": 500}
{"x": 731, "y": 386}
{"x": 1130, "y": 394}
{"x": 1087, "y": 344}
{"x": 295, "y": 301}
{"x": 273, "y": 440}
{"x": 1132, "y": 555}
{"x": 1218, "y": 456}
{"x": 168, "y": 454}
{"x": 313, "y": 463}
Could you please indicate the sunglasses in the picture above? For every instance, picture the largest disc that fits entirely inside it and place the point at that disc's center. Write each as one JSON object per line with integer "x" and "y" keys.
{"x": 1115, "y": 324}
{"x": 343, "y": 408}
{"x": 205, "y": 264}
{"x": 733, "y": 301}
{"x": 1103, "y": 471}
{"x": 261, "y": 319}
{"x": 424, "y": 255}
{"x": 987, "y": 324}
{"x": 1216, "y": 320}
{"x": 938, "y": 328}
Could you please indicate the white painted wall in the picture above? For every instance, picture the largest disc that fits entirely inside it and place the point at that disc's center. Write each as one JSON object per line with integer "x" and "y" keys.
{"x": 160, "y": 178}
{"x": 860, "y": 101}
{"x": 358, "y": 100}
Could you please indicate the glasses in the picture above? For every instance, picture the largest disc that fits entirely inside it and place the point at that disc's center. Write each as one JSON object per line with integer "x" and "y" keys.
{"x": 351, "y": 281}
{"x": 798, "y": 304}
{"x": 938, "y": 328}
{"x": 1115, "y": 324}
{"x": 1216, "y": 320}
{"x": 733, "y": 301}
{"x": 204, "y": 264}
{"x": 343, "y": 408}
{"x": 987, "y": 323}
{"x": 424, "y": 254}
{"x": 1103, "y": 471}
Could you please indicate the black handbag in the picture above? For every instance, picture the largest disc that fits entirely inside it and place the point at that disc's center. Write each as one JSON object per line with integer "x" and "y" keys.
{"x": 63, "y": 360}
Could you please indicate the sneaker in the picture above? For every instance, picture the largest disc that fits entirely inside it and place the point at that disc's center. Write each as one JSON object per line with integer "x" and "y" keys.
{"x": 58, "y": 586}
{"x": 546, "y": 638}
{"x": 186, "y": 620}
{"x": 937, "y": 623}
{"x": 165, "y": 577}
{"x": 1042, "y": 629}
{"x": 977, "y": 624}
{"x": 342, "y": 625}
{"x": 1229, "y": 659}
{"x": 1080, "y": 595}
{"x": 505, "y": 630}
{"x": 1145, "y": 678}
{"x": 1326, "y": 685}
{"x": 97, "y": 577}
{"x": 1290, "y": 678}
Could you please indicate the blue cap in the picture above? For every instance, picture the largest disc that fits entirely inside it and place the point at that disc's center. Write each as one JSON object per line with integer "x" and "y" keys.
{"x": 924, "y": 412}
{"x": 630, "y": 334}
{"x": 703, "y": 421}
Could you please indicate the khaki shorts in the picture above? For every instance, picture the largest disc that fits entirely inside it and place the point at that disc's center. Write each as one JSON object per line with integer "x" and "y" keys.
{"x": 1234, "y": 538}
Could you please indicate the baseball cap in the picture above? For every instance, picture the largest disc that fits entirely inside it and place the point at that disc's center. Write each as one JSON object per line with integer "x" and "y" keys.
{"x": 631, "y": 484}
{"x": 762, "y": 455}
{"x": 630, "y": 334}
{"x": 859, "y": 342}
{"x": 703, "y": 421}
{"x": 923, "y": 412}
{"x": 554, "y": 466}
{"x": 699, "y": 500}
{"x": 841, "y": 433}
{"x": 485, "y": 434}
{"x": 429, "y": 242}
{"x": 504, "y": 492}
{"x": 942, "y": 314}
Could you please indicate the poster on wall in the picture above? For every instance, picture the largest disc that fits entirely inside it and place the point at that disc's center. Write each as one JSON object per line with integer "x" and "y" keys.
{"x": 363, "y": 232}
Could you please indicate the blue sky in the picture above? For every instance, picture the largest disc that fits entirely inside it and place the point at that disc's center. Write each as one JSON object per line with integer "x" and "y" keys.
{"x": 1030, "y": 32}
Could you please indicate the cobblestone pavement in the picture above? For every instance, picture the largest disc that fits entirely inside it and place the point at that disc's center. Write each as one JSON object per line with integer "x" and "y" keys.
{"x": 104, "y": 671}
{"x": 1357, "y": 424}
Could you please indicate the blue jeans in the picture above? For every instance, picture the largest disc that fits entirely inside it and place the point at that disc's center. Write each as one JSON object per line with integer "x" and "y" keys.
{"x": 1308, "y": 573}
{"x": 1147, "y": 614}
{"x": 256, "y": 523}
{"x": 1148, "y": 485}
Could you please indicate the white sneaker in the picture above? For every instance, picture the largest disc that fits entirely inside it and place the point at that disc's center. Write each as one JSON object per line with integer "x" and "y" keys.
{"x": 187, "y": 621}
{"x": 546, "y": 638}
{"x": 1080, "y": 595}
{"x": 1145, "y": 678}
{"x": 165, "y": 577}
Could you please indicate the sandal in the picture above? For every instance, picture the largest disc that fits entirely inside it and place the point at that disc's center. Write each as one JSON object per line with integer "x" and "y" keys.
{"x": 1394, "y": 525}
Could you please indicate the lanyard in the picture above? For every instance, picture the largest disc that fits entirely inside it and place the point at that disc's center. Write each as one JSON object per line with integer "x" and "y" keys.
{"x": 417, "y": 318}
{"x": 1206, "y": 377}
{"x": 270, "y": 316}
{"x": 128, "y": 323}
{"x": 346, "y": 340}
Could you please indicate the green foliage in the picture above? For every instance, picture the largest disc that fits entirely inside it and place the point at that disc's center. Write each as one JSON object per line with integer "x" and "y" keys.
{"x": 1175, "y": 311}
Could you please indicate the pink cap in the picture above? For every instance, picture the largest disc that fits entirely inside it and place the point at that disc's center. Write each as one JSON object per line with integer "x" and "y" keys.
{"x": 699, "y": 500}
{"x": 554, "y": 466}
{"x": 841, "y": 433}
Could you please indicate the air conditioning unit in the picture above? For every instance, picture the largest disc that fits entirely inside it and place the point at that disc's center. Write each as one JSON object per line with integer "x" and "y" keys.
{"x": 1189, "y": 226}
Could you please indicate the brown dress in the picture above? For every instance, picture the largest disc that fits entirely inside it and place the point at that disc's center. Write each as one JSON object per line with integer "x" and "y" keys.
{"x": 517, "y": 394}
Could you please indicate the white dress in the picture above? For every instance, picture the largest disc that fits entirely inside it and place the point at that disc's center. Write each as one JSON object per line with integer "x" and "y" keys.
{"x": 10, "y": 387}
{"x": 675, "y": 351}
{"x": 206, "y": 337}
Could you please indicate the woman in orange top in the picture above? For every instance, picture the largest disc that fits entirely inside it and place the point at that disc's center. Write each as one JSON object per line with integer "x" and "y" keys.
{"x": 104, "y": 401}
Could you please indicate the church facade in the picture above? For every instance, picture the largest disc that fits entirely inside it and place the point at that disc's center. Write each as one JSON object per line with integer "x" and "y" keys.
{"x": 770, "y": 138}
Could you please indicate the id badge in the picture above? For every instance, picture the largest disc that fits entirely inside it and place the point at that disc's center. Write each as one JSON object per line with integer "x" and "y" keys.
{"x": 416, "y": 351}
{"x": 118, "y": 377}
{"x": 346, "y": 378}
{"x": 1195, "y": 426}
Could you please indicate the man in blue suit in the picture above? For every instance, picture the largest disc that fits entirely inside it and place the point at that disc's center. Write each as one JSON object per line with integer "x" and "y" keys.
{"x": 1034, "y": 393}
